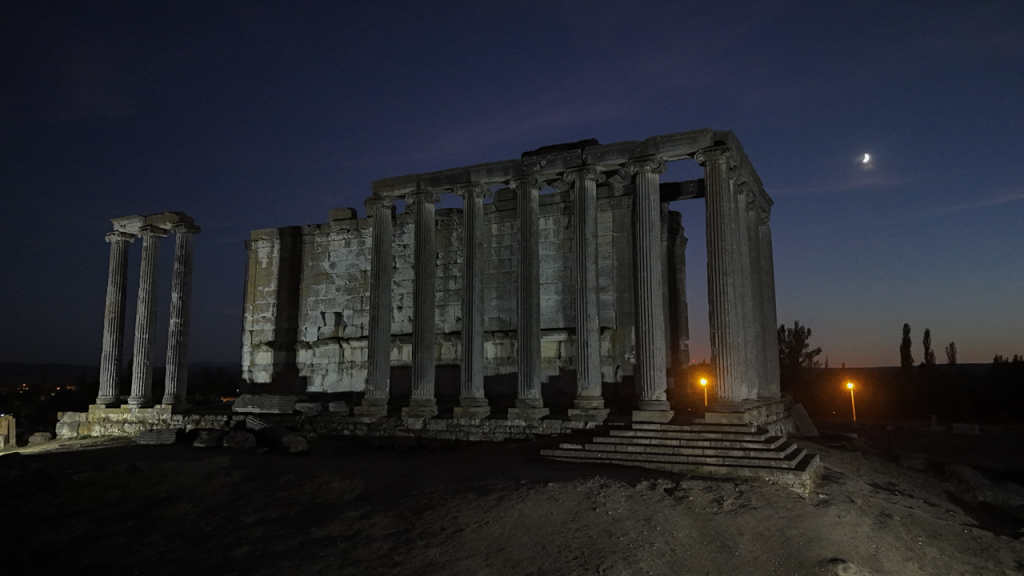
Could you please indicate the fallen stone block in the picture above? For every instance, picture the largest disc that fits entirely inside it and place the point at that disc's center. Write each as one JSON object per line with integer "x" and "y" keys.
{"x": 67, "y": 429}
{"x": 265, "y": 404}
{"x": 157, "y": 436}
{"x": 39, "y": 438}
{"x": 276, "y": 437}
{"x": 208, "y": 439}
{"x": 239, "y": 440}
{"x": 966, "y": 429}
{"x": 309, "y": 408}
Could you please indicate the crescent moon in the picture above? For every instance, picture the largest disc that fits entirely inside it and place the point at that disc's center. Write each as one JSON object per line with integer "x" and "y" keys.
{"x": 867, "y": 158}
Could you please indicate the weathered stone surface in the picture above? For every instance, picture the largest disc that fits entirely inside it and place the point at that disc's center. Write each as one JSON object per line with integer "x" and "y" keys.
{"x": 7, "y": 431}
{"x": 67, "y": 429}
{"x": 40, "y": 438}
{"x": 310, "y": 408}
{"x": 803, "y": 420}
{"x": 208, "y": 439}
{"x": 156, "y": 436}
{"x": 239, "y": 440}
{"x": 914, "y": 461}
{"x": 264, "y": 404}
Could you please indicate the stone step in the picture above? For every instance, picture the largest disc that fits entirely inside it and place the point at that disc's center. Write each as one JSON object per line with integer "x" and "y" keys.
{"x": 771, "y": 442}
{"x": 773, "y": 453}
{"x": 760, "y": 435}
{"x": 789, "y": 460}
{"x": 744, "y": 428}
{"x": 800, "y": 477}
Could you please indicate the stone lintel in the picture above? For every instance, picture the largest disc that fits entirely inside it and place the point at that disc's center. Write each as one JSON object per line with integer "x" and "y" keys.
{"x": 165, "y": 220}
{"x": 672, "y": 191}
{"x": 668, "y": 147}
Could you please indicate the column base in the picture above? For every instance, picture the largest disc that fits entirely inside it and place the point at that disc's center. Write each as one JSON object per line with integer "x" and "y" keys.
{"x": 372, "y": 407}
{"x": 588, "y": 414}
{"x": 140, "y": 402}
{"x": 420, "y": 408}
{"x": 528, "y": 409}
{"x": 107, "y": 402}
{"x": 472, "y": 408}
{"x": 657, "y": 416}
{"x": 176, "y": 406}
{"x": 654, "y": 405}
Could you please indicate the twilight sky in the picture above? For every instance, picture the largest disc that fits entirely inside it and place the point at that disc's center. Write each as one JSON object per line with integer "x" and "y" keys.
{"x": 261, "y": 114}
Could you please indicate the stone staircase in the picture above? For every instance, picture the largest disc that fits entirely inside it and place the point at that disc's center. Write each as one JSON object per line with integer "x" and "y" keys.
{"x": 704, "y": 449}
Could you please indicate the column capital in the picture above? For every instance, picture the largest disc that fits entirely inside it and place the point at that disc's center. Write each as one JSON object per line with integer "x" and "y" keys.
{"x": 423, "y": 196}
{"x": 118, "y": 236}
{"x": 524, "y": 182}
{"x": 582, "y": 174}
{"x": 183, "y": 228}
{"x": 715, "y": 154}
{"x": 374, "y": 202}
{"x": 472, "y": 190}
{"x": 153, "y": 231}
{"x": 651, "y": 164}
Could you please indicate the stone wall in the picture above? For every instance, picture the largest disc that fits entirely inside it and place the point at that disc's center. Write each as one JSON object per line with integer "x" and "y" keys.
{"x": 307, "y": 293}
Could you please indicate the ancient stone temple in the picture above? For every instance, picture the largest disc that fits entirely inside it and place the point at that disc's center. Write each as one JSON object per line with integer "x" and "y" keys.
{"x": 150, "y": 229}
{"x": 575, "y": 265}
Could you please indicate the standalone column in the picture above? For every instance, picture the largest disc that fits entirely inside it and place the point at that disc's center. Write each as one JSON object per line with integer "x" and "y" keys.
{"x": 423, "y": 404}
{"x": 472, "y": 402}
{"x": 113, "y": 319}
{"x": 649, "y": 316}
{"x": 145, "y": 318}
{"x": 770, "y": 319}
{"x": 529, "y": 405}
{"x": 378, "y": 377}
{"x": 589, "y": 405}
{"x": 725, "y": 272}
{"x": 757, "y": 294}
{"x": 751, "y": 345}
{"x": 176, "y": 378}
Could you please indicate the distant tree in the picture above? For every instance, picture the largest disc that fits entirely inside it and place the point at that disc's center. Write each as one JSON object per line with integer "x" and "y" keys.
{"x": 794, "y": 350}
{"x": 951, "y": 354}
{"x": 906, "y": 358}
{"x": 929, "y": 354}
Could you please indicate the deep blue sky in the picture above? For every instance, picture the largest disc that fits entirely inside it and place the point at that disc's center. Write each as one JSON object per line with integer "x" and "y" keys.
{"x": 263, "y": 114}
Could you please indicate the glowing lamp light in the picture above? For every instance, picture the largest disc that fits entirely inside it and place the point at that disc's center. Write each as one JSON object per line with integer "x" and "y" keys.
{"x": 853, "y": 405}
{"x": 704, "y": 384}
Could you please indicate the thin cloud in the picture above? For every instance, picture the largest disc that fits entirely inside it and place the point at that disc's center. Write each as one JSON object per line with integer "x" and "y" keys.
{"x": 1010, "y": 196}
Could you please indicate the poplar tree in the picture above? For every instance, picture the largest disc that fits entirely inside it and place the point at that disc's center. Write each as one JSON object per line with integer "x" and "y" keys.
{"x": 906, "y": 358}
{"x": 929, "y": 354}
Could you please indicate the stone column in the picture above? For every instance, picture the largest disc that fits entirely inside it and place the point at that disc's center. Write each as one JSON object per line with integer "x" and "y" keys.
{"x": 378, "y": 377}
{"x": 752, "y": 347}
{"x": 529, "y": 405}
{"x": 423, "y": 404}
{"x": 589, "y": 405}
{"x": 176, "y": 378}
{"x": 113, "y": 319}
{"x": 472, "y": 402}
{"x": 770, "y": 318}
{"x": 145, "y": 318}
{"x": 726, "y": 268}
{"x": 648, "y": 296}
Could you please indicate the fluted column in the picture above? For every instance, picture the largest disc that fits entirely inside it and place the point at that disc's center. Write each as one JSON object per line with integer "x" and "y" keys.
{"x": 378, "y": 378}
{"x": 145, "y": 318}
{"x": 176, "y": 378}
{"x": 750, "y": 335}
{"x": 472, "y": 402}
{"x": 529, "y": 404}
{"x": 757, "y": 324}
{"x": 113, "y": 319}
{"x": 649, "y": 324}
{"x": 770, "y": 318}
{"x": 589, "y": 404}
{"x": 423, "y": 404}
{"x": 726, "y": 266}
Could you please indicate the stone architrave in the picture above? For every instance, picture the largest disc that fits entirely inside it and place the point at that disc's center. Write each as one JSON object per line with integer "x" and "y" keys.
{"x": 648, "y": 292}
{"x": 472, "y": 402}
{"x": 726, "y": 269}
{"x": 529, "y": 404}
{"x": 770, "y": 315}
{"x": 589, "y": 404}
{"x": 176, "y": 378}
{"x": 422, "y": 404}
{"x": 145, "y": 318}
{"x": 378, "y": 378}
{"x": 113, "y": 319}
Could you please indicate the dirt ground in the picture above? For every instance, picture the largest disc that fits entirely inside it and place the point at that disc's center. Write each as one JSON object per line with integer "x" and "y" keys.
{"x": 347, "y": 507}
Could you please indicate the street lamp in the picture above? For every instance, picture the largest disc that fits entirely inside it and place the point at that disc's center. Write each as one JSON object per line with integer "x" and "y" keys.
{"x": 704, "y": 384}
{"x": 853, "y": 404}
